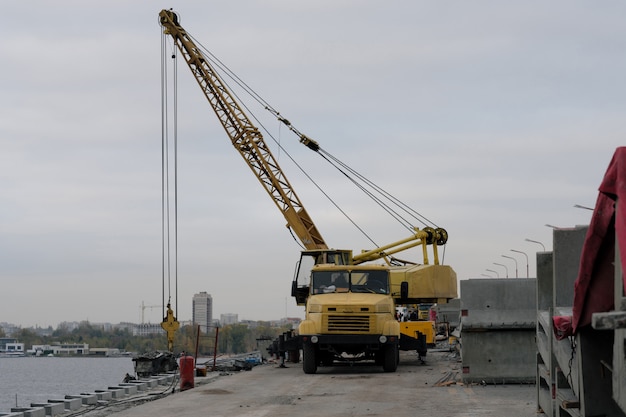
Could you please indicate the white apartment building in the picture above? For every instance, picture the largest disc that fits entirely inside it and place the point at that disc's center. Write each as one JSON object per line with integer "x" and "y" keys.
{"x": 202, "y": 311}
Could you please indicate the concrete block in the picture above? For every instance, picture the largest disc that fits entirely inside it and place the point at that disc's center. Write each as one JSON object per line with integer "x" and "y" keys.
{"x": 86, "y": 399}
{"x": 544, "y": 280}
{"x": 498, "y": 329}
{"x": 130, "y": 389}
{"x": 498, "y": 303}
{"x": 103, "y": 395}
{"x": 70, "y": 404}
{"x": 16, "y": 414}
{"x": 166, "y": 379}
{"x": 117, "y": 392}
{"x": 141, "y": 385}
{"x": 568, "y": 244}
{"x": 499, "y": 357}
{"x": 52, "y": 409}
{"x": 150, "y": 383}
{"x": 30, "y": 412}
{"x": 449, "y": 312}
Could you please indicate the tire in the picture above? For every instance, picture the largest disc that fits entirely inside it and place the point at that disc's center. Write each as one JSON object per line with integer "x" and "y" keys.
{"x": 309, "y": 359}
{"x": 390, "y": 358}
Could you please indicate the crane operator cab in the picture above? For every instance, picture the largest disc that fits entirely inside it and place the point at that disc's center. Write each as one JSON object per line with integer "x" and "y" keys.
{"x": 301, "y": 285}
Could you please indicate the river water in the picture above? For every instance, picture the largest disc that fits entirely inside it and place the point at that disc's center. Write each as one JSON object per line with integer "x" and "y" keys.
{"x": 38, "y": 379}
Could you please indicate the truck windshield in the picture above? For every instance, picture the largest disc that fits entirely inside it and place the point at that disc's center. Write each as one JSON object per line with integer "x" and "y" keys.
{"x": 324, "y": 282}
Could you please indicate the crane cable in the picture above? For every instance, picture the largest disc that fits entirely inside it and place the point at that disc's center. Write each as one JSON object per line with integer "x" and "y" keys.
{"x": 169, "y": 254}
{"x": 343, "y": 168}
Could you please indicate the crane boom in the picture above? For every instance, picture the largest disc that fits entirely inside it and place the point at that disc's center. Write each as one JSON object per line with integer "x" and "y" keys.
{"x": 245, "y": 137}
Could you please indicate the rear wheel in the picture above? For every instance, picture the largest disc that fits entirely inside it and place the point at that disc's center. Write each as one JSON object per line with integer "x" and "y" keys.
{"x": 309, "y": 358}
{"x": 390, "y": 358}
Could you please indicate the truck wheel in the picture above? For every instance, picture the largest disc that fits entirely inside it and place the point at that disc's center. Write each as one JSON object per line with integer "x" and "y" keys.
{"x": 309, "y": 359}
{"x": 390, "y": 359}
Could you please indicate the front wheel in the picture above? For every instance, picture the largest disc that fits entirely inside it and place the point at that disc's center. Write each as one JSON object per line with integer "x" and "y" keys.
{"x": 309, "y": 358}
{"x": 390, "y": 358}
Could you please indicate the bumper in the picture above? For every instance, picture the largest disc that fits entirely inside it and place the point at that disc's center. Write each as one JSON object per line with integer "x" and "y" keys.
{"x": 365, "y": 343}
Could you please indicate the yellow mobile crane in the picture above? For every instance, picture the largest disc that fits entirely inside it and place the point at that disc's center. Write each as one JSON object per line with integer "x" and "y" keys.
{"x": 350, "y": 304}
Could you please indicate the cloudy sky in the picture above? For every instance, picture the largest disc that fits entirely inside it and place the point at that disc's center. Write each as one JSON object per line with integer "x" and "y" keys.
{"x": 490, "y": 118}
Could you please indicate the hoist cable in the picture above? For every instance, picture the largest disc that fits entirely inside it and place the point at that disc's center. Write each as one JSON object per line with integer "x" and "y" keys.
{"x": 377, "y": 200}
{"x": 328, "y": 197}
{"x": 175, "y": 123}
{"x": 407, "y": 209}
{"x": 343, "y": 168}
{"x": 169, "y": 213}
{"x": 164, "y": 141}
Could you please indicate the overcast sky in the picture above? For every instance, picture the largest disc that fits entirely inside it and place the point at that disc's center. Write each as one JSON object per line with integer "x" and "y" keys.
{"x": 490, "y": 118}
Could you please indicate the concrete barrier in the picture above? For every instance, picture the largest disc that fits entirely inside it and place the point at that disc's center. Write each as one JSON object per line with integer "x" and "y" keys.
{"x": 90, "y": 399}
{"x": 498, "y": 326}
{"x": 30, "y": 412}
{"x": 129, "y": 389}
{"x": 117, "y": 392}
{"x": 70, "y": 404}
{"x": 52, "y": 409}
{"x": 103, "y": 395}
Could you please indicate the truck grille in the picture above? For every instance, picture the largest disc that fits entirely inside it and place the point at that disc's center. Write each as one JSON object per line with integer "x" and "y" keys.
{"x": 348, "y": 324}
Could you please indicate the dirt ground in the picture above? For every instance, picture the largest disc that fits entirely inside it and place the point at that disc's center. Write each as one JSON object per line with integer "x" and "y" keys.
{"x": 433, "y": 389}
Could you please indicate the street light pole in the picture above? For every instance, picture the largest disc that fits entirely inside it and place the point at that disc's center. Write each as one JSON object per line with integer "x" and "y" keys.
{"x": 505, "y": 268}
{"x": 536, "y": 241}
{"x": 514, "y": 260}
{"x": 523, "y": 253}
{"x": 495, "y": 272}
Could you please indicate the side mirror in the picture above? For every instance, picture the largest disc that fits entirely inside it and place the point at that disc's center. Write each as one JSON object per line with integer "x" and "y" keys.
{"x": 404, "y": 290}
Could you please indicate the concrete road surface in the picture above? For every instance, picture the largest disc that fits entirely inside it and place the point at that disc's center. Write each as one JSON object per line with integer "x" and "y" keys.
{"x": 433, "y": 389}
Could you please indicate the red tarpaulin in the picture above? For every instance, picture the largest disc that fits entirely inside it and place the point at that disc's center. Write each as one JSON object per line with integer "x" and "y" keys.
{"x": 594, "y": 286}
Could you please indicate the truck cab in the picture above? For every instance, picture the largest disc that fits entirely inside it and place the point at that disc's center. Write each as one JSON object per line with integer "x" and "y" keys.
{"x": 350, "y": 316}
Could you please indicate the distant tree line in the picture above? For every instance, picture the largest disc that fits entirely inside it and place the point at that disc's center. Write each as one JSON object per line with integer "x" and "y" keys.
{"x": 231, "y": 339}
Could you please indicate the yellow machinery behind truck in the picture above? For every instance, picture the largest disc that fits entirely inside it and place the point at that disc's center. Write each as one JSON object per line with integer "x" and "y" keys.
{"x": 351, "y": 322}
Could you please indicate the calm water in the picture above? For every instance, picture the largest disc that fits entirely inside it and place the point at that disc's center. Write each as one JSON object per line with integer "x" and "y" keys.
{"x": 39, "y": 379}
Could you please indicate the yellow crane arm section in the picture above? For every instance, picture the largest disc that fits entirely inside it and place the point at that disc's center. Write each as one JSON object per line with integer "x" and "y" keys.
{"x": 245, "y": 137}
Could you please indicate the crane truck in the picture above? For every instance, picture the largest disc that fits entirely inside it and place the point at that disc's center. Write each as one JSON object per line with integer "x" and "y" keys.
{"x": 350, "y": 302}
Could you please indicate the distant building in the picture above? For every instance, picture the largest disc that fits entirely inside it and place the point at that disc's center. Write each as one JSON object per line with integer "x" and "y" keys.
{"x": 10, "y": 346}
{"x": 61, "y": 349}
{"x": 147, "y": 329}
{"x": 229, "y": 318}
{"x": 203, "y": 311}
{"x": 4, "y": 341}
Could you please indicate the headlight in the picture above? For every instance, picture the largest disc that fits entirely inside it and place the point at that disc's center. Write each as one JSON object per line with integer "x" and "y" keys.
{"x": 381, "y": 339}
{"x": 314, "y": 339}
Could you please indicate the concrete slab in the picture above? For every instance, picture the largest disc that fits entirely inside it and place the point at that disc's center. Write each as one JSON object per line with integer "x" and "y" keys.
{"x": 129, "y": 389}
{"x": 117, "y": 392}
{"x": 30, "y": 412}
{"x": 103, "y": 395}
{"x": 338, "y": 391}
{"x": 52, "y": 409}
{"x": 86, "y": 399}
{"x": 71, "y": 404}
{"x": 141, "y": 385}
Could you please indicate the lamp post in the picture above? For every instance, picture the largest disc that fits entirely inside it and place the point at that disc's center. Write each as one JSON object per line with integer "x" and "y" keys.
{"x": 485, "y": 275}
{"x": 523, "y": 253}
{"x": 536, "y": 241}
{"x": 505, "y": 268}
{"x": 495, "y": 272}
{"x": 582, "y": 207}
{"x": 514, "y": 260}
